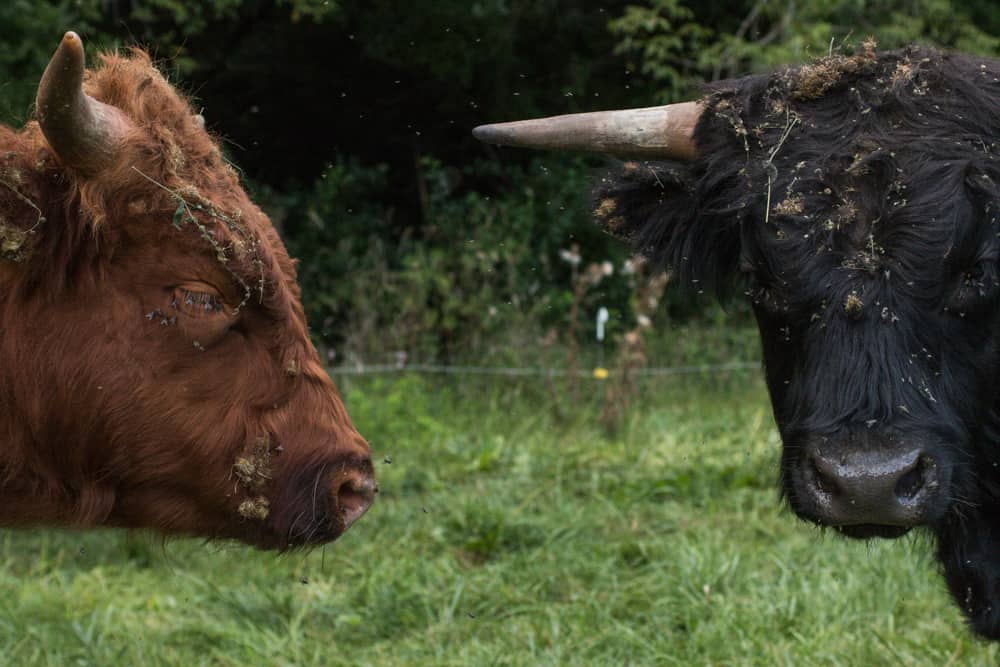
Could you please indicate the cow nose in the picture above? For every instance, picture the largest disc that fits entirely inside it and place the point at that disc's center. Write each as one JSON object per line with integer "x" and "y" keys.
{"x": 354, "y": 493}
{"x": 873, "y": 488}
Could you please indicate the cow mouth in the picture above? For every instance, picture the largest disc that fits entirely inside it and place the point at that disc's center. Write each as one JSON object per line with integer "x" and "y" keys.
{"x": 866, "y": 531}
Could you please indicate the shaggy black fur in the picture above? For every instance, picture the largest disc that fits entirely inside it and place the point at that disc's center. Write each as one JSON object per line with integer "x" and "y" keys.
{"x": 855, "y": 201}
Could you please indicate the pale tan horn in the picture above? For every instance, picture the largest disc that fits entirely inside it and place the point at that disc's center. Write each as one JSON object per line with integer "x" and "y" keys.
{"x": 84, "y": 133}
{"x": 665, "y": 131}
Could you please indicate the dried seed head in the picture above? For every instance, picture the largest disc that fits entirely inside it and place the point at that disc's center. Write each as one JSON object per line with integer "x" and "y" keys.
{"x": 794, "y": 204}
{"x": 606, "y": 208}
{"x": 853, "y": 305}
{"x": 244, "y": 470}
{"x": 12, "y": 241}
{"x": 254, "y": 469}
{"x": 255, "y": 509}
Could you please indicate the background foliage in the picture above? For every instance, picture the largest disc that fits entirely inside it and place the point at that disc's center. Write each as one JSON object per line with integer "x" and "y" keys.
{"x": 351, "y": 121}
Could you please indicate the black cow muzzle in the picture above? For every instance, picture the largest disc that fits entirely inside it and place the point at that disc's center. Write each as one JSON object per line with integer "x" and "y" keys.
{"x": 881, "y": 489}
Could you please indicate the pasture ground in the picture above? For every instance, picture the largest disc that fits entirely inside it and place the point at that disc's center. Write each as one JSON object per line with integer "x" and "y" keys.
{"x": 505, "y": 537}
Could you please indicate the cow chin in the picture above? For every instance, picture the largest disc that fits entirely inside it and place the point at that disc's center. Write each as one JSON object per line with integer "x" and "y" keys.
{"x": 868, "y": 531}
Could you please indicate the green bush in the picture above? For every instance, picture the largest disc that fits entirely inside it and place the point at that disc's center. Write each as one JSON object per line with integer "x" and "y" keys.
{"x": 481, "y": 271}
{"x": 413, "y": 237}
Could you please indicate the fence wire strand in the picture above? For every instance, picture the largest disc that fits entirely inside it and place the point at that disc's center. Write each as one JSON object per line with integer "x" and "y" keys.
{"x": 513, "y": 371}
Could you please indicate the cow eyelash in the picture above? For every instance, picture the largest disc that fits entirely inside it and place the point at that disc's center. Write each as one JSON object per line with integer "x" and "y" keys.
{"x": 197, "y": 303}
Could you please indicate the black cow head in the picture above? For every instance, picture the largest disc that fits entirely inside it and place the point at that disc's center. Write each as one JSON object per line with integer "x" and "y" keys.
{"x": 854, "y": 202}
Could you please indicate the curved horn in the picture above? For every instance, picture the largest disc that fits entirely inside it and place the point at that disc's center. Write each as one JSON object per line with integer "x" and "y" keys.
{"x": 665, "y": 131}
{"x": 84, "y": 133}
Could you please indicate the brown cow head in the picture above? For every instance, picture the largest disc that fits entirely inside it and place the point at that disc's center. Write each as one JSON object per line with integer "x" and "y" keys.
{"x": 155, "y": 365}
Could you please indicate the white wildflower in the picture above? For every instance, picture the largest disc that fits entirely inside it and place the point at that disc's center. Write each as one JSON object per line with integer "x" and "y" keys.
{"x": 570, "y": 257}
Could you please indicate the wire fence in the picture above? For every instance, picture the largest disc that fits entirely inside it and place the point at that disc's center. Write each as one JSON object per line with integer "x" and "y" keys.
{"x": 597, "y": 373}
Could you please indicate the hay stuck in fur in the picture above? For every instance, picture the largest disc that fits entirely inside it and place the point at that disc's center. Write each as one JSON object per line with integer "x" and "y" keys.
{"x": 254, "y": 470}
{"x": 12, "y": 243}
{"x": 255, "y": 509}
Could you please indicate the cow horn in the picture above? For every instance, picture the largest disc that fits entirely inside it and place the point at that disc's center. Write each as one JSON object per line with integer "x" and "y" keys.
{"x": 665, "y": 131}
{"x": 84, "y": 133}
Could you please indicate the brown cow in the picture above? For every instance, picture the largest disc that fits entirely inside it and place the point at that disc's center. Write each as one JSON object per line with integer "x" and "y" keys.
{"x": 155, "y": 366}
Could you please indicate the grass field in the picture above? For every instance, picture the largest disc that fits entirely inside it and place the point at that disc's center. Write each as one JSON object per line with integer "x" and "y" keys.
{"x": 503, "y": 537}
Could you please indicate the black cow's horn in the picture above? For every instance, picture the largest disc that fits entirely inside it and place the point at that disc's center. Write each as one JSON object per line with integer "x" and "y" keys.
{"x": 84, "y": 133}
{"x": 666, "y": 131}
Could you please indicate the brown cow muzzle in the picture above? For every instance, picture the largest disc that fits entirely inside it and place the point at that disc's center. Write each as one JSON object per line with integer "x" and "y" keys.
{"x": 316, "y": 504}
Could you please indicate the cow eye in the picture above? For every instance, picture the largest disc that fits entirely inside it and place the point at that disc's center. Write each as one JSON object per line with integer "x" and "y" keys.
{"x": 197, "y": 303}
{"x": 977, "y": 287}
{"x": 763, "y": 291}
{"x": 201, "y": 313}
{"x": 767, "y": 297}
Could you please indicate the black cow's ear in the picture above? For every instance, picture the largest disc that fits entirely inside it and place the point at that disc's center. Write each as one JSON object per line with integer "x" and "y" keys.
{"x": 661, "y": 210}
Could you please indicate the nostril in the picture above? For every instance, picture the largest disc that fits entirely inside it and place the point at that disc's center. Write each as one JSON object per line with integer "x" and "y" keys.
{"x": 914, "y": 480}
{"x": 354, "y": 495}
{"x": 824, "y": 481}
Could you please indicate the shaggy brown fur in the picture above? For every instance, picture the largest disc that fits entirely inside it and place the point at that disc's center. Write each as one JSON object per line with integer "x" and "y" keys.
{"x": 148, "y": 316}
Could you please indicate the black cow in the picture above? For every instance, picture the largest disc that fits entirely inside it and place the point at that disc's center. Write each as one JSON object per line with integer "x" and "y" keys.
{"x": 855, "y": 202}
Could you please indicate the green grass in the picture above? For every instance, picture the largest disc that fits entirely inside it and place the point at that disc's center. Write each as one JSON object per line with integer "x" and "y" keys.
{"x": 502, "y": 537}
